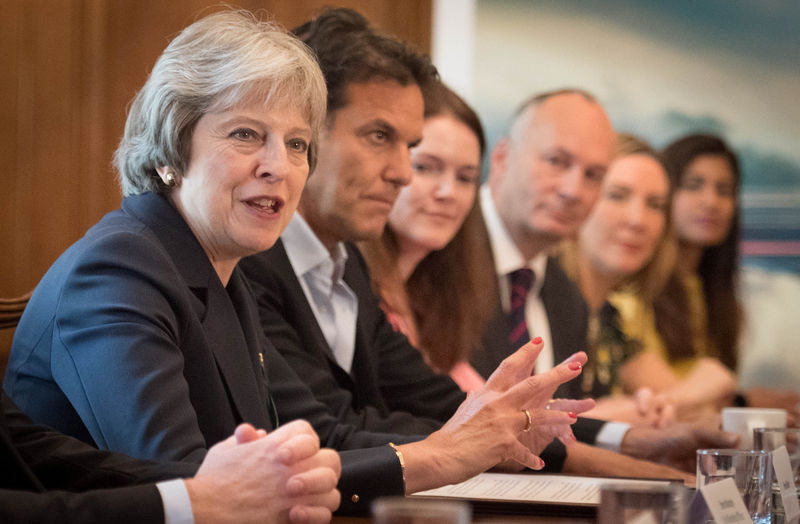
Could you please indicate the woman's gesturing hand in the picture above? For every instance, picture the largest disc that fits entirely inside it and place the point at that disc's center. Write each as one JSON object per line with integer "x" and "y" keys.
{"x": 491, "y": 425}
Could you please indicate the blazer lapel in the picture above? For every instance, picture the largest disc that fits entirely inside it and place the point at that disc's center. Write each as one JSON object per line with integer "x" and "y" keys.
{"x": 234, "y": 356}
{"x": 564, "y": 312}
{"x": 236, "y": 364}
{"x": 362, "y": 372}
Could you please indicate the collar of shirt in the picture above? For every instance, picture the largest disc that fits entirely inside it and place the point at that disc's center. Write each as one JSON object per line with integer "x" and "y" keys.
{"x": 333, "y": 303}
{"x": 309, "y": 256}
{"x": 507, "y": 257}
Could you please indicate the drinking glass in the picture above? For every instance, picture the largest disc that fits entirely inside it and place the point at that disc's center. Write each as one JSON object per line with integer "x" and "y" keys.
{"x": 630, "y": 504}
{"x": 770, "y": 439}
{"x": 751, "y": 471}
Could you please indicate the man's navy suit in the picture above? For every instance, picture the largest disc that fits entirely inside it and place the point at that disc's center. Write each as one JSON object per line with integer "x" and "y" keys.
{"x": 131, "y": 342}
{"x": 48, "y": 477}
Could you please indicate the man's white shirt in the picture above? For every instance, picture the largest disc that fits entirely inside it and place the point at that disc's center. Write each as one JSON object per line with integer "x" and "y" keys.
{"x": 334, "y": 304}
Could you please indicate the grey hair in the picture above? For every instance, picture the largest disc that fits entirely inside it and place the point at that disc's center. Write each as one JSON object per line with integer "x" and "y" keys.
{"x": 222, "y": 60}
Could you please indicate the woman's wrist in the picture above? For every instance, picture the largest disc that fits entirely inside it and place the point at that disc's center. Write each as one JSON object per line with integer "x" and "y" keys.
{"x": 424, "y": 466}
{"x": 401, "y": 459}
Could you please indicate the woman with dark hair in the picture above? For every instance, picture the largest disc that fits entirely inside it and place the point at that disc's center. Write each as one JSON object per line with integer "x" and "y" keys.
{"x": 692, "y": 330}
{"x": 433, "y": 257}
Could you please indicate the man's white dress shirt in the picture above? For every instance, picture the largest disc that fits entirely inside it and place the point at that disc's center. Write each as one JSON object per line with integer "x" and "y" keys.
{"x": 334, "y": 304}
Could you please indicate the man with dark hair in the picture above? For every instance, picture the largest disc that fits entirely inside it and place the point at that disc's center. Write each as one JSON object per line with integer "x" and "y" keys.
{"x": 313, "y": 288}
{"x": 350, "y": 52}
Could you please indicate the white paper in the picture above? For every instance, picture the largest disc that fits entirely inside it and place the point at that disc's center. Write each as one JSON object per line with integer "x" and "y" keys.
{"x": 785, "y": 478}
{"x": 725, "y": 502}
{"x": 538, "y": 489}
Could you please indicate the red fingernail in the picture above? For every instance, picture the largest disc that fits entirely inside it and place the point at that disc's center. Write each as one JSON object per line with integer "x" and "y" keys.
{"x": 537, "y": 340}
{"x": 572, "y": 415}
{"x": 575, "y": 366}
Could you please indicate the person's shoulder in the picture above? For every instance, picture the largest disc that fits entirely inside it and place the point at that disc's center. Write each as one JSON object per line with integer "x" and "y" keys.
{"x": 115, "y": 230}
{"x": 117, "y": 238}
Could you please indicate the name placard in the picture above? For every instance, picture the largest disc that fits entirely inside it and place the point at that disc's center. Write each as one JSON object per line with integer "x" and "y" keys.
{"x": 725, "y": 502}
{"x": 785, "y": 478}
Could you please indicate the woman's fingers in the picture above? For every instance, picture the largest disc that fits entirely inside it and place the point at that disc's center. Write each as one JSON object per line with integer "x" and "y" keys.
{"x": 314, "y": 514}
{"x": 536, "y": 390}
{"x": 542, "y": 418}
{"x": 521, "y": 454}
{"x": 516, "y": 366}
{"x": 314, "y": 481}
{"x": 571, "y": 405}
{"x": 247, "y": 433}
{"x": 298, "y": 448}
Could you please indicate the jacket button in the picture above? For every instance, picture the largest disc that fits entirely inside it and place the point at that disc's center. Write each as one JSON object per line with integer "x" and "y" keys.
{"x": 354, "y": 498}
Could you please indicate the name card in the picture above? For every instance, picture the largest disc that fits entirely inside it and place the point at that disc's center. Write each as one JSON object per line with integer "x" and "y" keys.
{"x": 785, "y": 478}
{"x": 725, "y": 502}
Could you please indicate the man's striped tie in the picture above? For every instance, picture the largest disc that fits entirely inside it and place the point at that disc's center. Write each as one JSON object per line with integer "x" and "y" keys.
{"x": 521, "y": 282}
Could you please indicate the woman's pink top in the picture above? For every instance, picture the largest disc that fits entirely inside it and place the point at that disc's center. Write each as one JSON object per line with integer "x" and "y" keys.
{"x": 466, "y": 377}
{"x": 462, "y": 373}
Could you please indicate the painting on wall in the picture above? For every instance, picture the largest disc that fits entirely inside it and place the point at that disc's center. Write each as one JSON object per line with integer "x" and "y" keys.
{"x": 662, "y": 70}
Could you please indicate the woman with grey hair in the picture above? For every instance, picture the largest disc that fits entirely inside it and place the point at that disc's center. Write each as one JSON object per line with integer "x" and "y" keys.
{"x": 144, "y": 337}
{"x": 137, "y": 339}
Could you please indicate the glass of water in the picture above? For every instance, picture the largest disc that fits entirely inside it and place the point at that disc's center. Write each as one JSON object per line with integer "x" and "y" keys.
{"x": 751, "y": 471}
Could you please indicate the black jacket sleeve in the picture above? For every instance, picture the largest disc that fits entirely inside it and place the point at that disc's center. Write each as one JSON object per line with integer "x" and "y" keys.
{"x": 48, "y": 477}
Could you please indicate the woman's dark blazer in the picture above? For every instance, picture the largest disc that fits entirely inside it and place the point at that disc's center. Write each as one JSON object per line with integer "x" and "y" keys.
{"x": 131, "y": 342}
{"x": 48, "y": 477}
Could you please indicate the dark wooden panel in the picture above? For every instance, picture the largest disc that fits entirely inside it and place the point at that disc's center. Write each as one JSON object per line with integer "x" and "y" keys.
{"x": 70, "y": 68}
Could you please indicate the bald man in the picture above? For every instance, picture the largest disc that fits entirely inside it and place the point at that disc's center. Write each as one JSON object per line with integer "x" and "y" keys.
{"x": 545, "y": 177}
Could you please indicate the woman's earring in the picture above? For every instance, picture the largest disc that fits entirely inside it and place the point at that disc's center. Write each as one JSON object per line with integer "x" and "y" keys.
{"x": 170, "y": 179}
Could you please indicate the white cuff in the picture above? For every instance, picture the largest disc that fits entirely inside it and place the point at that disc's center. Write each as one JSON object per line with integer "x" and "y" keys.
{"x": 610, "y": 435}
{"x": 177, "y": 505}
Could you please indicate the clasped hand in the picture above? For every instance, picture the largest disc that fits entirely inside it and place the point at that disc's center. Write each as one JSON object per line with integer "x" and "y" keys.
{"x": 253, "y": 476}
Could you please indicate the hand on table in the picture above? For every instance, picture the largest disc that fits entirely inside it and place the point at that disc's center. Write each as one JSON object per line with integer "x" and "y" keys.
{"x": 676, "y": 445}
